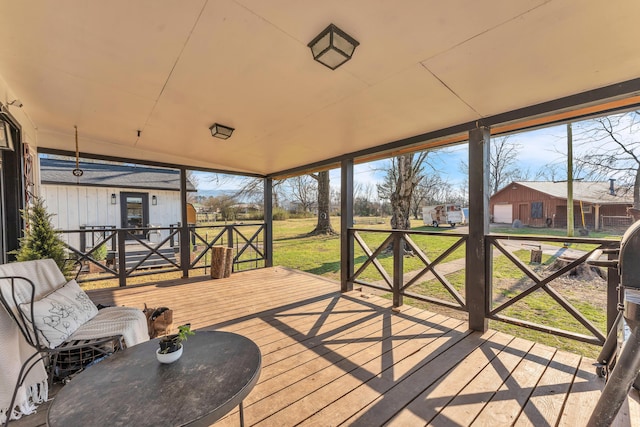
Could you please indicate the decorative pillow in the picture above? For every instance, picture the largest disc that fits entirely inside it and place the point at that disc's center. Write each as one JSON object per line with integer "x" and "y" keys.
{"x": 60, "y": 313}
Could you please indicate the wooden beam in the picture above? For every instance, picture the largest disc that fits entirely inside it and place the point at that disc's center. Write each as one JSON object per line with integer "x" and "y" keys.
{"x": 185, "y": 256}
{"x": 346, "y": 222}
{"x": 478, "y": 256}
{"x": 268, "y": 222}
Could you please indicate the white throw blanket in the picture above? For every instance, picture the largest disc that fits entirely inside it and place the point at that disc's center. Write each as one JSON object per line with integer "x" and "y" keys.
{"x": 129, "y": 322}
{"x": 13, "y": 351}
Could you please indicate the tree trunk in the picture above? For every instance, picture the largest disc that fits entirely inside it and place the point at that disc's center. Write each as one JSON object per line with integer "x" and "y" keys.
{"x": 323, "y": 226}
{"x": 401, "y": 197}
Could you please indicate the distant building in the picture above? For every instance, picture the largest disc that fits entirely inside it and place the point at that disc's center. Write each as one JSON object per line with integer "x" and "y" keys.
{"x": 117, "y": 195}
{"x": 544, "y": 204}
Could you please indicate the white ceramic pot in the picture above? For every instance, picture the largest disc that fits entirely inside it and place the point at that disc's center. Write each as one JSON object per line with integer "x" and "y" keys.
{"x": 169, "y": 357}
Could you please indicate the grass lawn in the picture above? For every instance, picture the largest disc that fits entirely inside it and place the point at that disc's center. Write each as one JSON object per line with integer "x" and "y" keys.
{"x": 321, "y": 254}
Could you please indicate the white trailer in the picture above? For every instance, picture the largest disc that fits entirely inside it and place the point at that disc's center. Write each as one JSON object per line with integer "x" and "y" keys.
{"x": 443, "y": 214}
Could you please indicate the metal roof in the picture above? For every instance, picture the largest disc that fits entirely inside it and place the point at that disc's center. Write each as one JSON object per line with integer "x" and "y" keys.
{"x": 595, "y": 192}
{"x": 57, "y": 171}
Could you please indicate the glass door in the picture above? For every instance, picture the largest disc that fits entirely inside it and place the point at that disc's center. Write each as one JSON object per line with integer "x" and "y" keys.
{"x": 135, "y": 212}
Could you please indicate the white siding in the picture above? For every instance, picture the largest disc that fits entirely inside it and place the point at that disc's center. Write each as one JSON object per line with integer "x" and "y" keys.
{"x": 75, "y": 206}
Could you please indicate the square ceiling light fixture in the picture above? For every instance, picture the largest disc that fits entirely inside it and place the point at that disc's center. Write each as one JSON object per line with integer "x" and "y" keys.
{"x": 6, "y": 141}
{"x": 333, "y": 47}
{"x": 221, "y": 131}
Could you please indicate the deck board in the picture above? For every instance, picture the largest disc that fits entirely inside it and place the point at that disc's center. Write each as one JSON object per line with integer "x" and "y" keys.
{"x": 349, "y": 359}
{"x": 505, "y": 406}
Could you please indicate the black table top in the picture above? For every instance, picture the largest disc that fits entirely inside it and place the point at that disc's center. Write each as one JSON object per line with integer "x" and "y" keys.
{"x": 216, "y": 372}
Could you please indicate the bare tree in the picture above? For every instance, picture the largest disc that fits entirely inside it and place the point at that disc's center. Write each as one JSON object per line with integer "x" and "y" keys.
{"x": 195, "y": 180}
{"x": 425, "y": 193}
{"x": 502, "y": 164}
{"x": 612, "y": 149}
{"x": 278, "y": 192}
{"x": 403, "y": 175}
{"x": 503, "y": 158}
{"x": 304, "y": 191}
{"x": 323, "y": 225}
{"x": 551, "y": 172}
{"x": 223, "y": 205}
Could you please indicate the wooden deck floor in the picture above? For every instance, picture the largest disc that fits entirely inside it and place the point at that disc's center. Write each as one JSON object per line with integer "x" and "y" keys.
{"x": 348, "y": 359}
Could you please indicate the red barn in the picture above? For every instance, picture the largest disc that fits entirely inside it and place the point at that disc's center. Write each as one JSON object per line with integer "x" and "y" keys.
{"x": 544, "y": 203}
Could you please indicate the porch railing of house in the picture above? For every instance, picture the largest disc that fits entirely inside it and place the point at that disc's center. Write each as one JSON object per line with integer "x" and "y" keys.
{"x": 434, "y": 272}
{"x": 440, "y": 276}
{"x": 396, "y": 244}
{"x": 107, "y": 253}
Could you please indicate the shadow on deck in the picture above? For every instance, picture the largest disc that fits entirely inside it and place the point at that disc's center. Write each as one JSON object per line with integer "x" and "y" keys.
{"x": 332, "y": 359}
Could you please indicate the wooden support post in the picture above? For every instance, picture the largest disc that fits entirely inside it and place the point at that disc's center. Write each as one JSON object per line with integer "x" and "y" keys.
{"x": 268, "y": 222}
{"x": 478, "y": 254}
{"x": 185, "y": 255}
{"x": 122, "y": 258}
{"x": 346, "y": 222}
{"x": 398, "y": 268}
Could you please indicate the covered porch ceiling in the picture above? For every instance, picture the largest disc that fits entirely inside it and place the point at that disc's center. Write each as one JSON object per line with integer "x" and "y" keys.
{"x": 170, "y": 69}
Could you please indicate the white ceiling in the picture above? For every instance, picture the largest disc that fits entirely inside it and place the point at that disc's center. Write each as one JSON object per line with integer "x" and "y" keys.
{"x": 173, "y": 68}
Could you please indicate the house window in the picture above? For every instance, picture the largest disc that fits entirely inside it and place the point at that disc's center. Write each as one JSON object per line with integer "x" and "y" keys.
{"x": 586, "y": 209}
{"x": 536, "y": 210}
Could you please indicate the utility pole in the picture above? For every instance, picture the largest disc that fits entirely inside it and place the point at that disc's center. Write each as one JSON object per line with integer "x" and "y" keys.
{"x": 569, "y": 181}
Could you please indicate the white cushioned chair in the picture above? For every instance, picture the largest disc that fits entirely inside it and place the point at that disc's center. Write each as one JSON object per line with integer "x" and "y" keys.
{"x": 54, "y": 316}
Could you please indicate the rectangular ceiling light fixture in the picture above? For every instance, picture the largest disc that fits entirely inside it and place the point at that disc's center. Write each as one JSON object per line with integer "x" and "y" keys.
{"x": 221, "y": 131}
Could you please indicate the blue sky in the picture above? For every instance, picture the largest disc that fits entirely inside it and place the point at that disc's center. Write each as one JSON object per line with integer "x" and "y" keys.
{"x": 537, "y": 149}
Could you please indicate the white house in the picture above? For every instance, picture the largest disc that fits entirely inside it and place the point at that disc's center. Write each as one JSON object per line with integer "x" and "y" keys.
{"x": 116, "y": 195}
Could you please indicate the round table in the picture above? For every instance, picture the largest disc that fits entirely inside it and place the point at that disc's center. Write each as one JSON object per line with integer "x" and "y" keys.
{"x": 131, "y": 388}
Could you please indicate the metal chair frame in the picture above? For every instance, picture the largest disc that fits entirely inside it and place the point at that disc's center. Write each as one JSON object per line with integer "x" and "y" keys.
{"x": 29, "y": 331}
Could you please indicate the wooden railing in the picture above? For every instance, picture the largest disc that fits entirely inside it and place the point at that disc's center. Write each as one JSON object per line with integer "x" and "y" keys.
{"x": 247, "y": 240}
{"x": 389, "y": 260}
{"x": 139, "y": 256}
{"x": 538, "y": 282}
{"x": 404, "y": 279}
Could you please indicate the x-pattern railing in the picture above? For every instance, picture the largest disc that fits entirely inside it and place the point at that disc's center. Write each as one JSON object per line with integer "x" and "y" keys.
{"x": 208, "y": 244}
{"x": 251, "y": 243}
{"x": 430, "y": 268}
{"x": 248, "y": 247}
{"x": 230, "y": 236}
{"x": 152, "y": 250}
{"x": 544, "y": 284}
{"x": 402, "y": 242}
{"x": 109, "y": 236}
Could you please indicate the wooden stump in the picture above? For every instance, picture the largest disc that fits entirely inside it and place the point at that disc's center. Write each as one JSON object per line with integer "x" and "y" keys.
{"x": 583, "y": 271}
{"x": 536, "y": 256}
{"x": 218, "y": 261}
{"x": 228, "y": 264}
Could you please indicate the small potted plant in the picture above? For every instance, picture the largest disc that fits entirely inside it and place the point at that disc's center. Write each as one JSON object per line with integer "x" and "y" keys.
{"x": 171, "y": 345}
